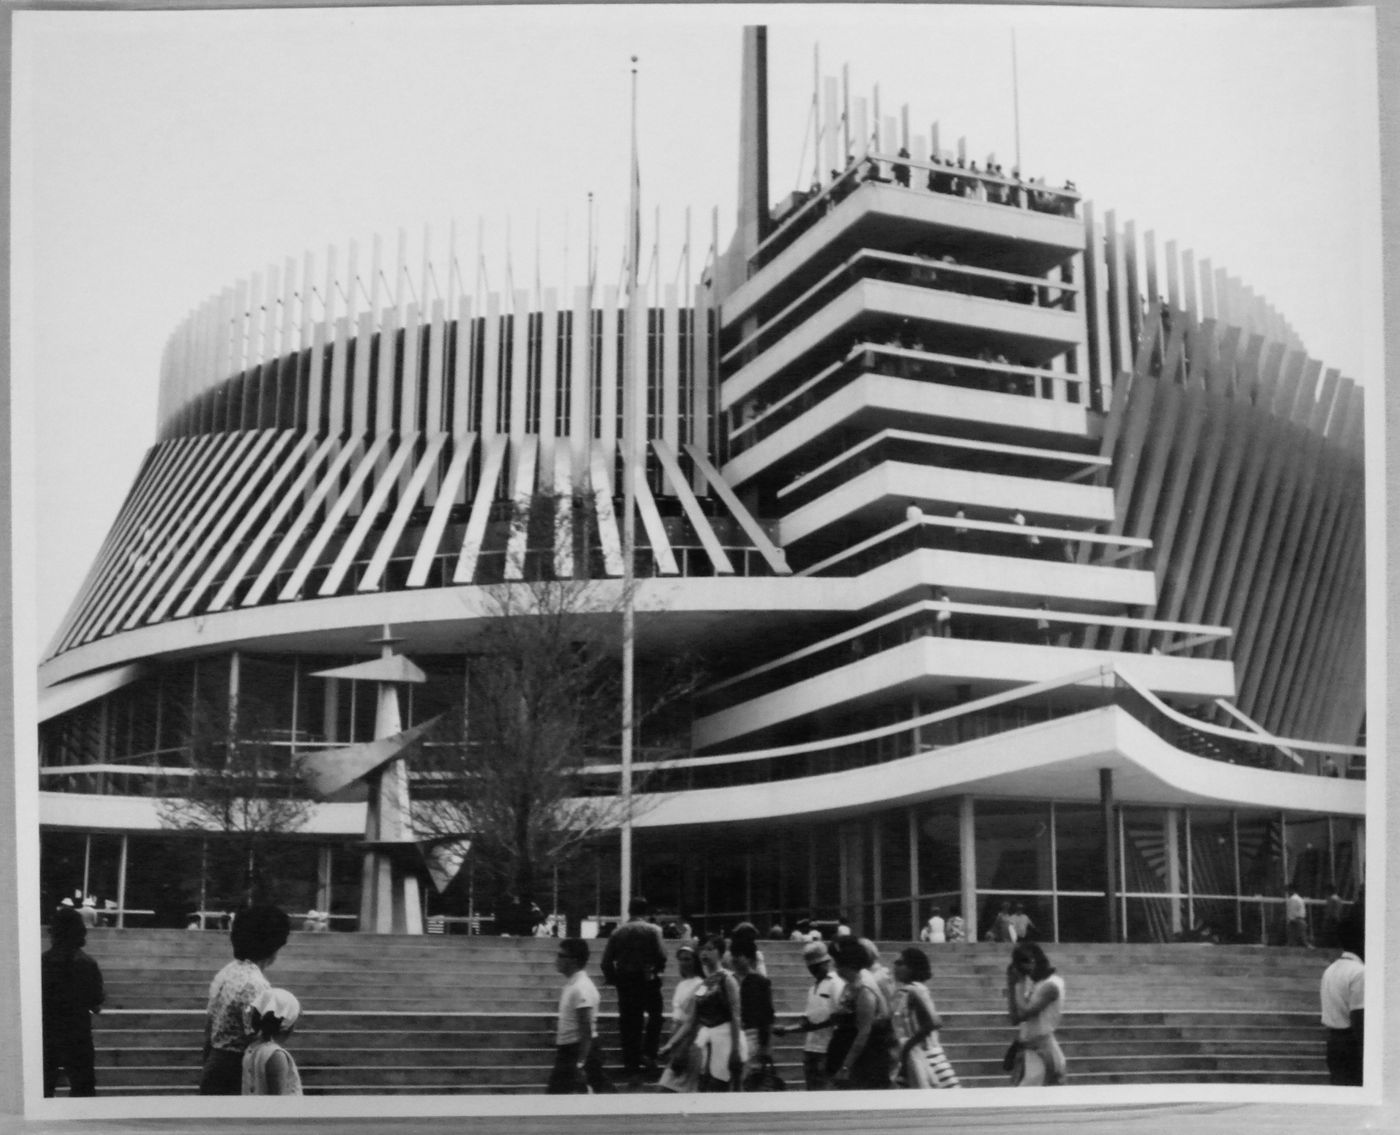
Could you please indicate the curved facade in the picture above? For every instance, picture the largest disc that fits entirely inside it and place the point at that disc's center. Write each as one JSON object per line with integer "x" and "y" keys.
{"x": 1026, "y": 564}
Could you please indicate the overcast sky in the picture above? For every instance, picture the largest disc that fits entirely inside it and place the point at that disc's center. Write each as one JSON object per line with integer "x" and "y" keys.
{"x": 161, "y": 156}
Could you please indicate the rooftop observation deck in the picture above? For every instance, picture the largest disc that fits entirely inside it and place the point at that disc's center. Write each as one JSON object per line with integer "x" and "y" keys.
{"x": 1018, "y": 227}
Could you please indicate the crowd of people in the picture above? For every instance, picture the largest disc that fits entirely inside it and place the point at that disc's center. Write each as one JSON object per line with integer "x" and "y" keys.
{"x": 864, "y": 1025}
{"x": 955, "y": 177}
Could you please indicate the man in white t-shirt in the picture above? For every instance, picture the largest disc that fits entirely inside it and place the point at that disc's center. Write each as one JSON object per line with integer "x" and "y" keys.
{"x": 822, "y": 996}
{"x": 1343, "y": 996}
{"x": 578, "y": 1061}
{"x": 935, "y": 930}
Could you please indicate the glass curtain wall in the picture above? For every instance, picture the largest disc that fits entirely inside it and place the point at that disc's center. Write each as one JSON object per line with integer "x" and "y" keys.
{"x": 1184, "y": 872}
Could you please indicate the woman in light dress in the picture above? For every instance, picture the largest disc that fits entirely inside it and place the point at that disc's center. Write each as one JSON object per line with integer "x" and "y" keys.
{"x": 682, "y": 1056}
{"x": 1035, "y": 999}
{"x": 922, "y": 1061}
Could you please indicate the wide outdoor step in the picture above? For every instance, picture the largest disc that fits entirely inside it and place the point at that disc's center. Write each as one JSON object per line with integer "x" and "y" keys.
{"x": 396, "y": 1014}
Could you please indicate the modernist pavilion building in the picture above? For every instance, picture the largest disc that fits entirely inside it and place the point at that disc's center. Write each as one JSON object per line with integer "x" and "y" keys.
{"x": 1025, "y": 559}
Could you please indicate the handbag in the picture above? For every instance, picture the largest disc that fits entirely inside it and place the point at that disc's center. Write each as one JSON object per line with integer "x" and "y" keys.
{"x": 764, "y": 1078}
{"x": 1008, "y": 1062}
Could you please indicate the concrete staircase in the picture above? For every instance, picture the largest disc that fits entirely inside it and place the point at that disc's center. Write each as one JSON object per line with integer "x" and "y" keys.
{"x": 453, "y": 1014}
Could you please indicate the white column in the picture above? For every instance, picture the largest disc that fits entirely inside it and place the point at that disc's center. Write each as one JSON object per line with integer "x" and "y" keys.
{"x": 967, "y": 864}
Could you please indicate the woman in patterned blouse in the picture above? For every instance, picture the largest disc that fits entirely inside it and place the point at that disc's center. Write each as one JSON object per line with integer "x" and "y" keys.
{"x": 258, "y": 933}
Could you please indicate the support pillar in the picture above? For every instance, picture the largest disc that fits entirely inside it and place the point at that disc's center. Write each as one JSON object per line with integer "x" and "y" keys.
{"x": 967, "y": 864}
{"x": 852, "y": 876}
{"x": 323, "y": 879}
{"x": 1172, "y": 843}
{"x": 1110, "y": 844}
{"x": 121, "y": 885}
{"x": 915, "y": 915}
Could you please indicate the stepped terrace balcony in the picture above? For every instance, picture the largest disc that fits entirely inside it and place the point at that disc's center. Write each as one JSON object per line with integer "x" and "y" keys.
{"x": 923, "y": 270}
{"x": 756, "y": 420}
{"x": 958, "y": 323}
{"x": 1111, "y": 566}
{"x": 963, "y": 455}
{"x": 873, "y": 494}
{"x": 859, "y": 209}
{"x": 1074, "y": 701}
{"x": 852, "y": 399}
{"x": 910, "y": 654}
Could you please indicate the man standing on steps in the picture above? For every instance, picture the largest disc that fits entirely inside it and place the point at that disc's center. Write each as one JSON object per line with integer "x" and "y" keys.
{"x": 632, "y": 964}
{"x": 1343, "y": 1005}
{"x": 578, "y": 1061}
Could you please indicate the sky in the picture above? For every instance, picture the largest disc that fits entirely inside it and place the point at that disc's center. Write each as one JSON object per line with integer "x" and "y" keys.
{"x": 159, "y": 157}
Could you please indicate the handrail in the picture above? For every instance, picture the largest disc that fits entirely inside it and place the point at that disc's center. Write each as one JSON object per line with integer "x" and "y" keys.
{"x": 1026, "y": 614}
{"x": 1132, "y": 542}
{"x": 976, "y": 705}
{"x": 771, "y": 417}
{"x": 1267, "y": 739}
{"x": 947, "y": 441}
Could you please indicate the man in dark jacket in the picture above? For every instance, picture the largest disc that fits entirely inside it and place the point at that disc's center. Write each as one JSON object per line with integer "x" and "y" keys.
{"x": 72, "y": 993}
{"x": 632, "y": 963}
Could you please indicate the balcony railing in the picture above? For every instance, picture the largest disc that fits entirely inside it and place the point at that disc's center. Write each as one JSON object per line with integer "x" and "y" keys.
{"x": 863, "y": 451}
{"x": 964, "y": 534}
{"x": 928, "y": 270}
{"x": 989, "y": 716}
{"x": 929, "y": 619}
{"x": 759, "y": 419}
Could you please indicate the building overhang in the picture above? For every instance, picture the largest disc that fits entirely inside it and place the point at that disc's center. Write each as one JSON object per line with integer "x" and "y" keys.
{"x": 1057, "y": 760}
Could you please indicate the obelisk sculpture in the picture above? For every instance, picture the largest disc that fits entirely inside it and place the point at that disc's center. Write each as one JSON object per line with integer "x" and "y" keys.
{"x": 390, "y": 896}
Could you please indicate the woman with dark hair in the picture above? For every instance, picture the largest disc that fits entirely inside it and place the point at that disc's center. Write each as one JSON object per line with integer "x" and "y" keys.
{"x": 861, "y": 1054}
{"x": 755, "y": 1003}
{"x": 922, "y": 1060}
{"x": 718, "y": 1017}
{"x": 1035, "y": 998}
{"x": 258, "y": 933}
{"x": 71, "y": 993}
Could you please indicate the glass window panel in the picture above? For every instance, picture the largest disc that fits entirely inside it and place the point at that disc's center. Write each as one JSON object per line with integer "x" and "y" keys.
{"x": 1149, "y": 920}
{"x": 162, "y": 877}
{"x": 347, "y": 866}
{"x": 896, "y": 923}
{"x": 1013, "y": 846}
{"x": 1261, "y": 855}
{"x": 1079, "y": 848}
{"x": 1309, "y": 868}
{"x": 894, "y": 855}
{"x": 1145, "y": 852}
{"x": 60, "y": 868}
{"x": 1082, "y": 920}
{"x": 940, "y": 855}
{"x": 1217, "y": 918}
{"x": 827, "y": 854}
{"x": 292, "y": 868}
{"x": 104, "y": 867}
{"x": 1345, "y": 842}
{"x": 1212, "y": 853}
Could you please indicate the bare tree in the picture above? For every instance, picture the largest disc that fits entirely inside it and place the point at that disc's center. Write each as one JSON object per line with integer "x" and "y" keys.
{"x": 244, "y": 792}
{"x": 515, "y": 766}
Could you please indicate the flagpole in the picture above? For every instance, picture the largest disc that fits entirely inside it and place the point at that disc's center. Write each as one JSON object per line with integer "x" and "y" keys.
{"x": 1016, "y": 98}
{"x": 629, "y": 490}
